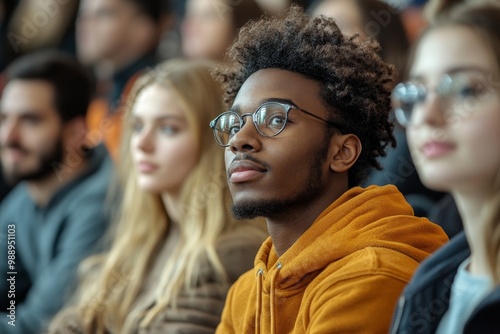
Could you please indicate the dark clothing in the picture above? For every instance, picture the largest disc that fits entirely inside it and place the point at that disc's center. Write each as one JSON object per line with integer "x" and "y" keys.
{"x": 445, "y": 214}
{"x": 105, "y": 115}
{"x": 47, "y": 244}
{"x": 426, "y": 298}
{"x": 4, "y": 186}
{"x": 398, "y": 169}
{"x": 122, "y": 77}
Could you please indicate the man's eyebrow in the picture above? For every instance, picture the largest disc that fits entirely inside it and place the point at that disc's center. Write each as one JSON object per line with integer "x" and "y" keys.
{"x": 31, "y": 115}
{"x": 237, "y": 108}
{"x": 27, "y": 114}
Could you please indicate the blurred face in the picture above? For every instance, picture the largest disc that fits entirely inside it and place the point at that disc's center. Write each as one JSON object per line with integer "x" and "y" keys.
{"x": 207, "y": 30}
{"x": 275, "y": 6}
{"x": 346, "y": 14}
{"x": 103, "y": 28}
{"x": 454, "y": 140}
{"x": 30, "y": 130}
{"x": 162, "y": 145}
{"x": 268, "y": 176}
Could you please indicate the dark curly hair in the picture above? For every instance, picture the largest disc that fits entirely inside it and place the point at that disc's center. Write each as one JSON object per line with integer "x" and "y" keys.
{"x": 355, "y": 83}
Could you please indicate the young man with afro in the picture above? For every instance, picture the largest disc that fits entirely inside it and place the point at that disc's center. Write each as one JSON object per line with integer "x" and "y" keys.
{"x": 308, "y": 116}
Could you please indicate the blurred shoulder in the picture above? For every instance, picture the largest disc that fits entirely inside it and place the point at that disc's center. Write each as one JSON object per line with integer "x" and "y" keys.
{"x": 238, "y": 247}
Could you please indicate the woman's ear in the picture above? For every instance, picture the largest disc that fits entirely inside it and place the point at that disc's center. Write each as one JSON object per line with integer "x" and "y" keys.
{"x": 346, "y": 150}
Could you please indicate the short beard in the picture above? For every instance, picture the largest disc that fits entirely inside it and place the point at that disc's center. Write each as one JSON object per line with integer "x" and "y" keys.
{"x": 273, "y": 208}
{"x": 44, "y": 169}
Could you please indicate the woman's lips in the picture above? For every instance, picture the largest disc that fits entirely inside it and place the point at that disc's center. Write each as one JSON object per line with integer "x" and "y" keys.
{"x": 146, "y": 167}
{"x": 436, "y": 149}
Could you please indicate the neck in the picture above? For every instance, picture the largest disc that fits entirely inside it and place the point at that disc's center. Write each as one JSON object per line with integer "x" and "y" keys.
{"x": 470, "y": 204}
{"x": 43, "y": 190}
{"x": 127, "y": 58}
{"x": 172, "y": 207}
{"x": 286, "y": 228}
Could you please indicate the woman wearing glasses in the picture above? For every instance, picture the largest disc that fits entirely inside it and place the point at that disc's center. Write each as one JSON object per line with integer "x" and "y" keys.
{"x": 451, "y": 108}
{"x": 175, "y": 250}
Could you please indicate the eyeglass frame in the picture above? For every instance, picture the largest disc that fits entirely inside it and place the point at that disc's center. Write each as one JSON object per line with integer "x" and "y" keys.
{"x": 421, "y": 92}
{"x": 286, "y": 105}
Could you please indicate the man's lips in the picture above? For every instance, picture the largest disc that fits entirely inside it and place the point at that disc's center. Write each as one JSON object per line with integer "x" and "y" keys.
{"x": 244, "y": 170}
{"x": 13, "y": 153}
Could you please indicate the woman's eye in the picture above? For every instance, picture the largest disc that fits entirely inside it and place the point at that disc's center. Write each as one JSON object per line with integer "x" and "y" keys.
{"x": 168, "y": 129}
{"x": 137, "y": 126}
{"x": 468, "y": 91}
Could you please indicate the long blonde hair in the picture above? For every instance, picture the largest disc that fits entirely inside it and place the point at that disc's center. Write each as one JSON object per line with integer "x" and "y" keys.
{"x": 142, "y": 223}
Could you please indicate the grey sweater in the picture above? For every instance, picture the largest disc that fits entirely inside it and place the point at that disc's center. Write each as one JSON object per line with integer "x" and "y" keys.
{"x": 49, "y": 242}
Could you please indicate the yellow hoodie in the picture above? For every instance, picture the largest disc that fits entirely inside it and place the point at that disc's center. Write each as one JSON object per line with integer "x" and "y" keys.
{"x": 343, "y": 275}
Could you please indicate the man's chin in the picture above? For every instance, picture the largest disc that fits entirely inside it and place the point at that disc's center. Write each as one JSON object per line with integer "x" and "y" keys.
{"x": 255, "y": 209}
{"x": 15, "y": 175}
{"x": 246, "y": 211}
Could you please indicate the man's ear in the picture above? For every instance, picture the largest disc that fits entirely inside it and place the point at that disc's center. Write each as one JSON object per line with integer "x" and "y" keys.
{"x": 346, "y": 150}
{"x": 75, "y": 131}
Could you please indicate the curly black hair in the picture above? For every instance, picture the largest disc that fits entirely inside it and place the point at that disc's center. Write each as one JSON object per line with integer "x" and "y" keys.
{"x": 355, "y": 83}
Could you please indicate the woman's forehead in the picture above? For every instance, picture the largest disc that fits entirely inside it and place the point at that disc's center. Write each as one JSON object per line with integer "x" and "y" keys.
{"x": 448, "y": 48}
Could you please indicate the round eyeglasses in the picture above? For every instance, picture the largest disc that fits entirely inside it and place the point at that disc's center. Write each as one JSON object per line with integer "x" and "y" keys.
{"x": 459, "y": 94}
{"x": 269, "y": 119}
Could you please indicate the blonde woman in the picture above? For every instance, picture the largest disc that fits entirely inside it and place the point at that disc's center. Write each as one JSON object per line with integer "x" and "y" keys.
{"x": 451, "y": 108}
{"x": 175, "y": 249}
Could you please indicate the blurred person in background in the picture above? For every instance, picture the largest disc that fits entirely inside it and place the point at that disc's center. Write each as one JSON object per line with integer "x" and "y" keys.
{"x": 55, "y": 216}
{"x": 176, "y": 249}
{"x": 5, "y": 11}
{"x": 377, "y": 20}
{"x": 32, "y": 25}
{"x": 27, "y": 26}
{"x": 209, "y": 27}
{"x": 370, "y": 19}
{"x": 118, "y": 39}
{"x": 451, "y": 109}
{"x": 278, "y": 7}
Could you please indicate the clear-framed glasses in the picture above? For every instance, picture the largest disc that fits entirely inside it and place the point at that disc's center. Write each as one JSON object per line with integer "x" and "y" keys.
{"x": 459, "y": 94}
{"x": 269, "y": 119}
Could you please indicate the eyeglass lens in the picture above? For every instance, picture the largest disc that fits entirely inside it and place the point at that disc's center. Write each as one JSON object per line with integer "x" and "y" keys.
{"x": 269, "y": 120}
{"x": 458, "y": 94}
